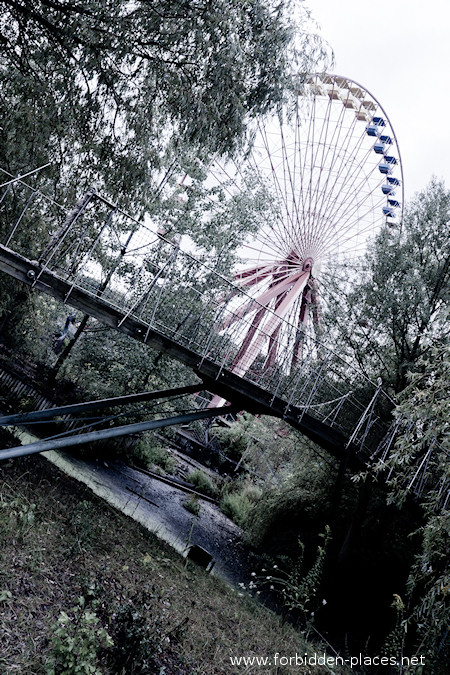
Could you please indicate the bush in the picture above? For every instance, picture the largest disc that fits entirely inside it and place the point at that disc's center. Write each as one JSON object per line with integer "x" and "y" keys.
{"x": 192, "y": 505}
{"x": 236, "y": 506}
{"x": 235, "y": 439}
{"x": 137, "y": 641}
{"x": 76, "y": 640}
{"x": 281, "y": 509}
{"x": 145, "y": 454}
{"x": 203, "y": 483}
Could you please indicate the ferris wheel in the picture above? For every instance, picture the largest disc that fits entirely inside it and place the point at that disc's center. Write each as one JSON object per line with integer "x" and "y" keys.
{"x": 331, "y": 171}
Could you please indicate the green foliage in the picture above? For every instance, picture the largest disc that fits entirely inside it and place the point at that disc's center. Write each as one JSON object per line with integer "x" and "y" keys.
{"x": 395, "y": 641}
{"x": 235, "y": 439}
{"x": 77, "y": 639}
{"x": 299, "y": 589}
{"x": 300, "y": 497}
{"x": 421, "y": 457}
{"x": 203, "y": 482}
{"x": 192, "y": 505}
{"x": 146, "y": 453}
{"x": 423, "y": 414}
{"x": 267, "y": 446}
{"x": 84, "y": 525}
{"x": 135, "y": 642}
{"x": 17, "y": 516}
{"x": 237, "y": 506}
{"x": 391, "y": 309}
{"x": 5, "y": 596}
{"x": 115, "y": 87}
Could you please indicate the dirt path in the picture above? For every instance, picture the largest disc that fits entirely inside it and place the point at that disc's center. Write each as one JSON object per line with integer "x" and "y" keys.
{"x": 159, "y": 508}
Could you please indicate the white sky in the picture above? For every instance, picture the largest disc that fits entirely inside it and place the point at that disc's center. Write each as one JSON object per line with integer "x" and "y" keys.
{"x": 400, "y": 51}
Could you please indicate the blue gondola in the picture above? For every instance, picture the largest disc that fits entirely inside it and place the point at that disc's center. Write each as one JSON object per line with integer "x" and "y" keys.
{"x": 385, "y": 168}
{"x": 386, "y": 139}
{"x": 379, "y": 121}
{"x": 379, "y": 148}
{"x": 389, "y": 211}
{"x": 394, "y": 181}
{"x": 390, "y": 160}
{"x": 394, "y": 202}
{"x": 388, "y": 189}
{"x": 372, "y": 130}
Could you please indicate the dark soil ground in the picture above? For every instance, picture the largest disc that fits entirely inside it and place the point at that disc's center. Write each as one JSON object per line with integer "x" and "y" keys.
{"x": 68, "y": 556}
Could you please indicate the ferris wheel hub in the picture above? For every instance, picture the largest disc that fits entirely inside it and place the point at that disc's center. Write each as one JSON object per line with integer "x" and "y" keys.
{"x": 308, "y": 264}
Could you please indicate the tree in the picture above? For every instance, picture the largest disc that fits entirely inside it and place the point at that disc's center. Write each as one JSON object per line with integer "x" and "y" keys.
{"x": 129, "y": 97}
{"x": 422, "y": 458}
{"x": 389, "y": 309}
{"x": 111, "y": 91}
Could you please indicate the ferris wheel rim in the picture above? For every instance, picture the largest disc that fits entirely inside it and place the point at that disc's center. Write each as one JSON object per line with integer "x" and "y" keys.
{"x": 326, "y": 189}
{"x": 364, "y": 95}
{"x": 368, "y": 91}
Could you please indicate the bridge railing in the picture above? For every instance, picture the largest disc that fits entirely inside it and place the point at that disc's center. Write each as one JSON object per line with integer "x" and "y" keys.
{"x": 166, "y": 282}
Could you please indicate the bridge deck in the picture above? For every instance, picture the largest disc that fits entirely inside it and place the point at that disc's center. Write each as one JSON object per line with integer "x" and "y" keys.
{"x": 216, "y": 379}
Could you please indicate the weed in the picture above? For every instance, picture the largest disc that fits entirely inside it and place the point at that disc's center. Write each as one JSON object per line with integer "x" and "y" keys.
{"x": 394, "y": 642}
{"x": 84, "y": 524}
{"x": 203, "y": 483}
{"x": 299, "y": 589}
{"x": 136, "y": 639}
{"x": 192, "y": 505}
{"x": 18, "y": 516}
{"x": 146, "y": 454}
{"x": 236, "y": 506}
{"x": 77, "y": 638}
{"x": 5, "y": 596}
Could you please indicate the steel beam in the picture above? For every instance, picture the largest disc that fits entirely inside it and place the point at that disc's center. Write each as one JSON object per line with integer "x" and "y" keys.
{"x": 116, "y": 432}
{"x": 50, "y": 413}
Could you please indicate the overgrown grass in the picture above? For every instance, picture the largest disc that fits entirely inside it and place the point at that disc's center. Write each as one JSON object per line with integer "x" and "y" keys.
{"x": 192, "y": 505}
{"x": 239, "y": 503}
{"x": 203, "y": 483}
{"x": 236, "y": 506}
{"x": 147, "y": 454}
{"x": 77, "y": 575}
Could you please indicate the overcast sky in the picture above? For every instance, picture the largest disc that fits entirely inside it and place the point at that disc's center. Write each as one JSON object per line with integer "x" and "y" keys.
{"x": 399, "y": 51}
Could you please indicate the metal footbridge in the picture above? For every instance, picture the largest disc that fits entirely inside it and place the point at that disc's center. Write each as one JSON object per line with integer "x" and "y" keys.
{"x": 129, "y": 276}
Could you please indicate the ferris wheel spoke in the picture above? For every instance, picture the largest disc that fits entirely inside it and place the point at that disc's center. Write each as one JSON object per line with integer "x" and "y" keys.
{"x": 348, "y": 208}
{"x": 287, "y": 237}
{"x": 337, "y": 175}
{"x": 320, "y": 172}
{"x": 319, "y": 169}
{"x": 322, "y": 168}
{"x": 345, "y": 177}
{"x": 278, "y": 230}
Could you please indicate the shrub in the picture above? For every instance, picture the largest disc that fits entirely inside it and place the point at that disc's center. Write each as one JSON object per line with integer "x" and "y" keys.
{"x": 235, "y": 439}
{"x": 281, "y": 508}
{"x": 137, "y": 641}
{"x": 192, "y": 505}
{"x": 17, "y": 516}
{"x": 237, "y": 506}
{"x": 145, "y": 454}
{"x": 203, "y": 483}
{"x": 76, "y": 640}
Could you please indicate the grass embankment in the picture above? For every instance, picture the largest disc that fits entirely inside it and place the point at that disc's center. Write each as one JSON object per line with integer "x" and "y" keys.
{"x": 76, "y": 575}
